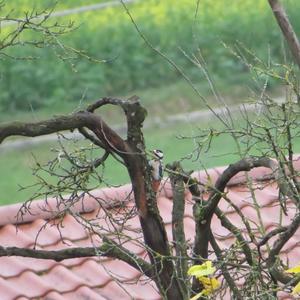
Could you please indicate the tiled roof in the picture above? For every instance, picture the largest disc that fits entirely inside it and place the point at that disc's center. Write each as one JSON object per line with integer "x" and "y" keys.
{"x": 102, "y": 277}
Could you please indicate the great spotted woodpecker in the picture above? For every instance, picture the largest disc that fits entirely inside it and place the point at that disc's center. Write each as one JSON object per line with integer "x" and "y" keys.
{"x": 156, "y": 169}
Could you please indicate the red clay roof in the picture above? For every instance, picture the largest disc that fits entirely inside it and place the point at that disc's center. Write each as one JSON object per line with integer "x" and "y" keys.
{"x": 104, "y": 278}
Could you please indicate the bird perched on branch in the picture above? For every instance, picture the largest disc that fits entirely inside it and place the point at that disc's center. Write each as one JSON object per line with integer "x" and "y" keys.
{"x": 156, "y": 169}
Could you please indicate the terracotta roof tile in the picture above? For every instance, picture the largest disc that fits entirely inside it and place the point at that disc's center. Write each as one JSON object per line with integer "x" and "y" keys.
{"x": 83, "y": 293}
{"x": 142, "y": 290}
{"x": 52, "y": 296}
{"x": 12, "y": 267}
{"x": 28, "y": 263}
{"x": 134, "y": 247}
{"x": 113, "y": 289}
{"x": 292, "y": 256}
{"x": 119, "y": 270}
{"x": 8, "y": 290}
{"x": 65, "y": 280}
{"x": 104, "y": 278}
{"x": 35, "y": 229}
{"x": 30, "y": 284}
{"x": 96, "y": 275}
{"x": 76, "y": 232}
{"x": 10, "y": 230}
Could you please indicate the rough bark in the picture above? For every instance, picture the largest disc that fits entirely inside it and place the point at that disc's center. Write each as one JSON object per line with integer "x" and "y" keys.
{"x": 178, "y": 233}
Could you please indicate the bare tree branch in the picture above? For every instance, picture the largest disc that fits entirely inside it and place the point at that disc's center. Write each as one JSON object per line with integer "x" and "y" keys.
{"x": 243, "y": 165}
{"x": 178, "y": 225}
{"x": 90, "y": 137}
{"x": 109, "y": 249}
{"x": 203, "y": 211}
{"x": 237, "y": 233}
{"x": 286, "y": 28}
{"x": 45, "y": 127}
{"x": 109, "y": 138}
{"x": 98, "y": 143}
{"x": 268, "y": 236}
{"x": 278, "y": 245}
{"x": 229, "y": 279}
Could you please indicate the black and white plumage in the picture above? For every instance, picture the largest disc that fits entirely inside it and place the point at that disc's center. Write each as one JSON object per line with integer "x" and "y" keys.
{"x": 156, "y": 168}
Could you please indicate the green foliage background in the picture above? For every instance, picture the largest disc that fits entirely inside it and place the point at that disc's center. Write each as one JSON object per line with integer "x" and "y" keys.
{"x": 109, "y": 35}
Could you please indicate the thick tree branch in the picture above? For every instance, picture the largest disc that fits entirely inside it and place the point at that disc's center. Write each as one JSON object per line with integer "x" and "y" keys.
{"x": 203, "y": 211}
{"x": 57, "y": 255}
{"x": 134, "y": 112}
{"x": 178, "y": 225}
{"x": 269, "y": 235}
{"x": 90, "y": 137}
{"x": 287, "y": 29}
{"x": 110, "y": 139}
{"x": 106, "y": 100}
{"x": 45, "y": 127}
{"x": 191, "y": 183}
{"x": 108, "y": 249}
{"x": 277, "y": 246}
{"x": 243, "y": 165}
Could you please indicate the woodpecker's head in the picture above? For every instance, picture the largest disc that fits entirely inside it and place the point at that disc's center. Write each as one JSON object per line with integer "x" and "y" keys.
{"x": 158, "y": 154}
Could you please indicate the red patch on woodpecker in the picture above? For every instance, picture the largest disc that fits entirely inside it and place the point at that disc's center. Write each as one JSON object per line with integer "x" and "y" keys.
{"x": 155, "y": 185}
